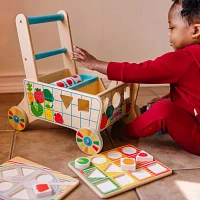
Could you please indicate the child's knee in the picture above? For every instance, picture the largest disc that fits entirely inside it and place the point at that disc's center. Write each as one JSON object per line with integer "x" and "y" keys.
{"x": 163, "y": 108}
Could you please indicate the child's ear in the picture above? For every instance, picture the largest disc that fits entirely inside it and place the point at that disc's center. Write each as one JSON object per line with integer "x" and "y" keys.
{"x": 196, "y": 32}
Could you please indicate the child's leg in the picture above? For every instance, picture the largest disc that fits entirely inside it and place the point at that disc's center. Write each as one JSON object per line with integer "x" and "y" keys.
{"x": 167, "y": 116}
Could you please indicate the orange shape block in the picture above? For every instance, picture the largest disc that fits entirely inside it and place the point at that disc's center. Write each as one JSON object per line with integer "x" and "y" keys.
{"x": 128, "y": 161}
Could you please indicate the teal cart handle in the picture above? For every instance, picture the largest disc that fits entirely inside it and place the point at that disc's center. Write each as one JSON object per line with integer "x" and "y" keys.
{"x": 45, "y": 19}
{"x": 50, "y": 53}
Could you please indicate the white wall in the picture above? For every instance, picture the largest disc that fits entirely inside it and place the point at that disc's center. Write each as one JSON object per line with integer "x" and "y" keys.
{"x": 113, "y": 30}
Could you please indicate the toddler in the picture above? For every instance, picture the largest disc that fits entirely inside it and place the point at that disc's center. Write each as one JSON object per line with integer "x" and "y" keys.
{"x": 180, "y": 115}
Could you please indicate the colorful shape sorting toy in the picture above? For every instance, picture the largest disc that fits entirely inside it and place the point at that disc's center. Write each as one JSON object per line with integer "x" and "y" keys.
{"x": 73, "y": 97}
{"x": 23, "y": 179}
{"x": 105, "y": 177}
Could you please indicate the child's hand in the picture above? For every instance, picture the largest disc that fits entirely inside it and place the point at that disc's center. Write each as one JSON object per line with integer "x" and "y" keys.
{"x": 84, "y": 58}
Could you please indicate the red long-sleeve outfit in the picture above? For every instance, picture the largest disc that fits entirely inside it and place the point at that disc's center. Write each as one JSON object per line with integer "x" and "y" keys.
{"x": 179, "y": 117}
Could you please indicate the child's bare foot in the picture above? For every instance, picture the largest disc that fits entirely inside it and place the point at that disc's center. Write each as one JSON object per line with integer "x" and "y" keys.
{"x": 119, "y": 131}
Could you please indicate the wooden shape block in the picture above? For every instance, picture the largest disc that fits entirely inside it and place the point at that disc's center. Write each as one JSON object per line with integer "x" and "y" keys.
{"x": 128, "y": 164}
{"x": 42, "y": 190}
{"x": 82, "y": 163}
{"x": 144, "y": 156}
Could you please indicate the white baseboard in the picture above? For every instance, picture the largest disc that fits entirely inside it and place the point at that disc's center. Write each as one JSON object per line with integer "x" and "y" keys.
{"x": 14, "y": 84}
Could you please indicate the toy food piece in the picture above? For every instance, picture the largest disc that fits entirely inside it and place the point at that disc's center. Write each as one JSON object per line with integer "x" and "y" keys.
{"x": 42, "y": 190}
{"x": 82, "y": 163}
{"x": 128, "y": 164}
{"x": 76, "y": 78}
{"x": 69, "y": 81}
{"x": 60, "y": 83}
{"x": 144, "y": 156}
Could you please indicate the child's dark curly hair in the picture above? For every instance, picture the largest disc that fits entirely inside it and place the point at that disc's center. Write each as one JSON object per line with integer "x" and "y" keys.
{"x": 191, "y": 9}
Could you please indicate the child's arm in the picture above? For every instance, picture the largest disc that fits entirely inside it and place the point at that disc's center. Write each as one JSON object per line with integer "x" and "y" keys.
{"x": 167, "y": 68}
{"x": 89, "y": 61}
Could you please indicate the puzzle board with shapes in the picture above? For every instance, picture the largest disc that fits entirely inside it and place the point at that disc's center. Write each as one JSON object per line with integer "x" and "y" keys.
{"x": 106, "y": 178}
{"x": 23, "y": 179}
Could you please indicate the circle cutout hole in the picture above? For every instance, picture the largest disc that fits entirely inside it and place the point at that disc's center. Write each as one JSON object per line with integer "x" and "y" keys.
{"x": 128, "y": 150}
{"x": 5, "y": 186}
{"x": 99, "y": 160}
{"x": 114, "y": 155}
{"x": 116, "y": 100}
{"x": 44, "y": 178}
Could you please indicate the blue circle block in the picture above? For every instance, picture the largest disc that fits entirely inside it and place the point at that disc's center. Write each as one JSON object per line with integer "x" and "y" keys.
{"x": 87, "y": 141}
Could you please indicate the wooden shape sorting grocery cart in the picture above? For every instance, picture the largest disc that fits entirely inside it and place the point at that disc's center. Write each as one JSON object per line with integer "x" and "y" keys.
{"x": 86, "y": 106}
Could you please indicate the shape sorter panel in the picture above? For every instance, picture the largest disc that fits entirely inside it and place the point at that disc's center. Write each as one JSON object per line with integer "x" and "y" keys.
{"x": 106, "y": 178}
{"x": 19, "y": 177}
{"x": 116, "y": 104}
{"x": 55, "y": 105}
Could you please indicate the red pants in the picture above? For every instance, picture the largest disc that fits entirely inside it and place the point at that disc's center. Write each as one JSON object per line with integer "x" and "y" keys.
{"x": 167, "y": 116}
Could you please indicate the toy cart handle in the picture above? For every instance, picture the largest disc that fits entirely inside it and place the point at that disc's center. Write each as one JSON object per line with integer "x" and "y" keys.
{"x": 50, "y": 53}
{"x": 45, "y": 18}
{"x": 23, "y": 29}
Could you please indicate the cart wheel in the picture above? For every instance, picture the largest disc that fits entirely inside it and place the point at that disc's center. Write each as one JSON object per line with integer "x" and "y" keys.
{"x": 17, "y": 118}
{"x": 89, "y": 140}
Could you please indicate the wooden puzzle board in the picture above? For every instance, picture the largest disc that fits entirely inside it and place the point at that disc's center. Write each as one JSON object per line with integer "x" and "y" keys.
{"x": 18, "y": 175}
{"x": 106, "y": 179}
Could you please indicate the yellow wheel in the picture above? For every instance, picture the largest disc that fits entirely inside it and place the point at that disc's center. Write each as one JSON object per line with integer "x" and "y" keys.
{"x": 17, "y": 118}
{"x": 89, "y": 141}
